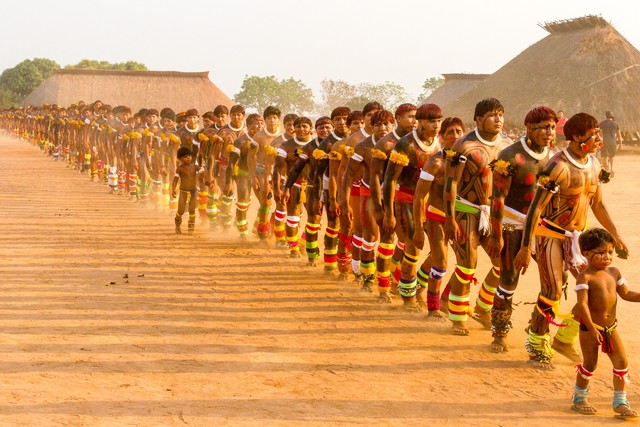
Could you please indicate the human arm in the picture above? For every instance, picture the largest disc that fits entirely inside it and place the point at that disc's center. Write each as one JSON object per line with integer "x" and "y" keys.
{"x": 501, "y": 185}
{"x": 378, "y": 159}
{"x": 354, "y": 164}
{"x": 397, "y": 161}
{"x": 623, "y": 290}
{"x": 279, "y": 169}
{"x": 454, "y": 167}
{"x": 335, "y": 157}
{"x": 422, "y": 190}
{"x": 581, "y": 310}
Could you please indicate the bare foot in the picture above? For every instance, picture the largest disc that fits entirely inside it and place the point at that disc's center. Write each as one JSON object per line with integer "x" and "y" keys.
{"x": 584, "y": 408}
{"x": 312, "y": 263}
{"x": 367, "y": 287}
{"x": 411, "y": 306}
{"x": 294, "y": 254}
{"x": 460, "y": 328}
{"x": 499, "y": 345}
{"x": 542, "y": 365}
{"x": 567, "y": 350}
{"x": 343, "y": 276}
{"x": 624, "y": 411}
{"x": 483, "y": 317}
{"x": 436, "y": 316}
{"x": 384, "y": 298}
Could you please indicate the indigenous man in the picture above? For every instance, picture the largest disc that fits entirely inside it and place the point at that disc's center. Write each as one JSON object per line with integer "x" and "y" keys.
{"x": 241, "y": 154}
{"x": 514, "y": 184}
{"x": 358, "y": 168}
{"x": 228, "y": 134}
{"x": 262, "y": 164}
{"x": 406, "y": 160}
{"x": 307, "y": 161}
{"x": 568, "y": 186}
{"x": 355, "y": 121}
{"x": 321, "y": 186}
{"x": 220, "y": 116}
{"x": 406, "y": 121}
{"x": 349, "y": 245}
{"x": 430, "y": 218}
{"x": 288, "y": 153}
{"x": 278, "y": 218}
{"x": 169, "y": 154}
{"x": 467, "y": 196}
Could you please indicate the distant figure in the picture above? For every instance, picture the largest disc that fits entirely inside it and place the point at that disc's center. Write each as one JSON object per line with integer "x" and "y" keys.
{"x": 561, "y": 141}
{"x": 611, "y": 136}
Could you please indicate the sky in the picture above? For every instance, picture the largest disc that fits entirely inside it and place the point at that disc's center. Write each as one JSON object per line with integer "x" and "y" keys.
{"x": 371, "y": 41}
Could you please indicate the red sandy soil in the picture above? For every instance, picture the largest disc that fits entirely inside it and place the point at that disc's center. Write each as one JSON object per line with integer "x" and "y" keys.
{"x": 207, "y": 331}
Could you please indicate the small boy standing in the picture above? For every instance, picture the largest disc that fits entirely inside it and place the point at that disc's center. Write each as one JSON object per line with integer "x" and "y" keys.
{"x": 595, "y": 309}
{"x": 187, "y": 173}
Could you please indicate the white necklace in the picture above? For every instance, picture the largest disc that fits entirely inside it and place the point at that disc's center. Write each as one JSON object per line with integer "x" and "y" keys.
{"x": 484, "y": 141}
{"x": 234, "y": 129}
{"x": 186, "y": 126}
{"x": 424, "y": 147}
{"x": 373, "y": 139}
{"x": 272, "y": 135}
{"x": 364, "y": 132}
{"x": 537, "y": 156}
{"x": 295, "y": 139}
{"x": 575, "y": 162}
{"x": 335, "y": 136}
{"x": 395, "y": 134}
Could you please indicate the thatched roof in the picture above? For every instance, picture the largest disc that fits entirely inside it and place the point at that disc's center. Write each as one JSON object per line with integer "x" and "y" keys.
{"x": 135, "y": 89}
{"x": 455, "y": 85}
{"x": 583, "y": 65}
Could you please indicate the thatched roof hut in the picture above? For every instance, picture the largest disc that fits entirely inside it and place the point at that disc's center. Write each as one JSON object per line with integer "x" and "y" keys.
{"x": 455, "y": 85}
{"x": 583, "y": 65}
{"x": 135, "y": 89}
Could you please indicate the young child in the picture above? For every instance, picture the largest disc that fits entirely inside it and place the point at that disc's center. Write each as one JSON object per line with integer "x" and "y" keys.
{"x": 187, "y": 173}
{"x": 595, "y": 309}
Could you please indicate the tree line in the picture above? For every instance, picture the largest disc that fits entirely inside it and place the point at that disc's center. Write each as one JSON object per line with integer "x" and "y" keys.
{"x": 256, "y": 92}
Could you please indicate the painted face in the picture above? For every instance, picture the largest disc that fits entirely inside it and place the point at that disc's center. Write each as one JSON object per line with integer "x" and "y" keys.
{"x": 303, "y": 132}
{"x": 451, "y": 135}
{"x": 407, "y": 121}
{"x": 221, "y": 119}
{"x": 600, "y": 257}
{"x": 428, "y": 128}
{"x": 256, "y": 125}
{"x": 590, "y": 141}
{"x": 542, "y": 134}
{"x": 289, "y": 128}
{"x": 340, "y": 124}
{"x": 324, "y": 130}
{"x": 381, "y": 129}
{"x": 491, "y": 122}
{"x": 236, "y": 119}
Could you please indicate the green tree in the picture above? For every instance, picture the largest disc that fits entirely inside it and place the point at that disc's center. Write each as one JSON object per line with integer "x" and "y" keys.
{"x": 288, "y": 95}
{"x": 338, "y": 92}
{"x": 430, "y": 85}
{"x": 92, "y": 64}
{"x": 18, "y": 82}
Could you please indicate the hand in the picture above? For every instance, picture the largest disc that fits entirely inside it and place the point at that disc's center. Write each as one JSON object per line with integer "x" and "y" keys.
{"x": 452, "y": 231}
{"x": 418, "y": 238}
{"x": 595, "y": 338}
{"x": 378, "y": 214}
{"x": 494, "y": 246}
{"x": 284, "y": 196}
{"x": 256, "y": 185}
{"x": 333, "y": 208}
{"x": 348, "y": 210}
{"x": 317, "y": 206}
{"x": 521, "y": 263}
{"x": 621, "y": 248}
{"x": 389, "y": 223}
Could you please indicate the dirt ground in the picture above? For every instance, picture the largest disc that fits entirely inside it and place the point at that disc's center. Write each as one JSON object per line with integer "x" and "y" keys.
{"x": 206, "y": 331}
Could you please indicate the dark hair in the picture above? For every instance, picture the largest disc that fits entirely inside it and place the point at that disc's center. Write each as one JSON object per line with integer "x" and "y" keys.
{"x": 184, "y": 151}
{"x": 209, "y": 115}
{"x": 151, "y": 112}
{"x": 540, "y": 114}
{"x": 237, "y": 109}
{"x": 448, "y": 122}
{"x": 579, "y": 124}
{"x": 220, "y": 109}
{"x": 428, "y": 112}
{"x": 487, "y": 105}
{"x": 302, "y": 120}
{"x": 167, "y": 113}
{"x": 141, "y": 112}
{"x": 271, "y": 111}
{"x": 291, "y": 117}
{"x": 372, "y": 106}
{"x": 355, "y": 115}
{"x": 595, "y": 237}
{"x": 340, "y": 111}
{"x": 382, "y": 116}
